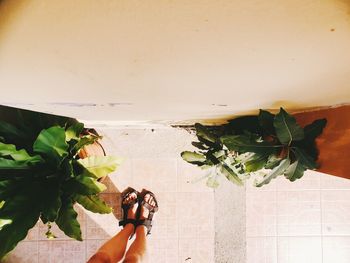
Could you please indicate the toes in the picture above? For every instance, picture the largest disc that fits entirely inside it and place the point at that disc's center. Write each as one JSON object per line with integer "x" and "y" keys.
{"x": 150, "y": 200}
{"x": 129, "y": 198}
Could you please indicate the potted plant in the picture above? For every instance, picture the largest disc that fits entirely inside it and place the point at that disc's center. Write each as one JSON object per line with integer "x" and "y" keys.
{"x": 264, "y": 146}
{"x": 42, "y": 175}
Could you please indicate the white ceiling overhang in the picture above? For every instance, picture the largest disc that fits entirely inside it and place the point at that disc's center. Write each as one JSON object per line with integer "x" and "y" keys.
{"x": 136, "y": 61}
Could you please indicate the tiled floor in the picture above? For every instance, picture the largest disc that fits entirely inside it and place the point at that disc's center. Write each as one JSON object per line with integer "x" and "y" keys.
{"x": 305, "y": 221}
{"x": 184, "y": 226}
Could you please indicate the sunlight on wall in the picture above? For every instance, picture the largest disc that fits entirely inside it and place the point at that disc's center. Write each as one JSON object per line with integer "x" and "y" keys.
{"x": 301, "y": 222}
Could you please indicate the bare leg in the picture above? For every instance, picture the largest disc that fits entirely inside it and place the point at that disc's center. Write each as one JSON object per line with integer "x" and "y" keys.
{"x": 137, "y": 251}
{"x": 114, "y": 249}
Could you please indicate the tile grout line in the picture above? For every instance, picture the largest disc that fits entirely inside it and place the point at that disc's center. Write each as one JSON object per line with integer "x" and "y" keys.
{"x": 276, "y": 213}
{"x": 37, "y": 243}
{"x": 297, "y": 236}
{"x": 246, "y": 224}
{"x": 86, "y": 255}
{"x": 177, "y": 211}
{"x": 321, "y": 215}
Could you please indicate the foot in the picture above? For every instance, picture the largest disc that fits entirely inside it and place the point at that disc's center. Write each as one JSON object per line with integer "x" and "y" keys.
{"x": 144, "y": 211}
{"x": 129, "y": 200}
{"x": 148, "y": 205}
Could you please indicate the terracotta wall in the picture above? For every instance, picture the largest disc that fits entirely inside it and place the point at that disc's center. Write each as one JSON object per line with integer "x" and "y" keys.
{"x": 334, "y": 143}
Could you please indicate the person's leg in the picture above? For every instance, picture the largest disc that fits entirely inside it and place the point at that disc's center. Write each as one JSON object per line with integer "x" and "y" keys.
{"x": 137, "y": 251}
{"x": 114, "y": 249}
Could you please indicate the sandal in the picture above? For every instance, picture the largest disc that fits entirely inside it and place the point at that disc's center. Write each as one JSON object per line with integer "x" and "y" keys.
{"x": 147, "y": 222}
{"x": 126, "y": 206}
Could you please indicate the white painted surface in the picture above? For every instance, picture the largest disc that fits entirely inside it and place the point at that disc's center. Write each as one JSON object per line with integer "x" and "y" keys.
{"x": 173, "y": 60}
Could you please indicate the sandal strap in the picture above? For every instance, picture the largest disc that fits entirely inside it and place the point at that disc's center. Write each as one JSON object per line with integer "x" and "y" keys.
{"x": 125, "y": 194}
{"x": 149, "y": 207}
{"x": 134, "y": 222}
{"x": 147, "y": 223}
{"x": 128, "y": 221}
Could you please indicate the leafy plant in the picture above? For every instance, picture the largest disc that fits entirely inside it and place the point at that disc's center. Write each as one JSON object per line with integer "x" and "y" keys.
{"x": 266, "y": 145}
{"x": 42, "y": 177}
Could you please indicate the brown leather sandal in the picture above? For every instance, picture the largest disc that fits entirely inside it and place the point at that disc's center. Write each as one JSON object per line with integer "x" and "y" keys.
{"x": 147, "y": 222}
{"x": 125, "y": 194}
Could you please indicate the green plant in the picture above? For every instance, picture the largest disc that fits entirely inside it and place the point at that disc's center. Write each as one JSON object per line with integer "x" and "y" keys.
{"x": 41, "y": 176}
{"x": 266, "y": 146}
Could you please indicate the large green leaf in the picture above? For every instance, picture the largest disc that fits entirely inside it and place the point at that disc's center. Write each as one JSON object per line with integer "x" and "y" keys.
{"x": 273, "y": 161}
{"x": 67, "y": 221}
{"x": 200, "y": 145}
{"x": 244, "y": 143}
{"x": 84, "y": 185}
{"x": 51, "y": 203}
{"x": 23, "y": 212}
{"x": 294, "y": 171}
{"x": 8, "y": 188}
{"x": 67, "y": 168}
{"x": 256, "y": 162}
{"x": 74, "y": 131}
{"x": 18, "y": 155}
{"x": 52, "y": 144}
{"x": 11, "y": 132}
{"x": 93, "y": 204}
{"x": 204, "y": 133}
{"x": 100, "y": 166}
{"x": 11, "y": 234}
{"x": 230, "y": 174}
{"x": 278, "y": 170}
{"x": 266, "y": 122}
{"x": 85, "y": 140}
{"x": 10, "y": 173}
{"x": 193, "y": 157}
{"x": 287, "y": 129}
{"x": 4, "y": 222}
{"x": 13, "y": 165}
